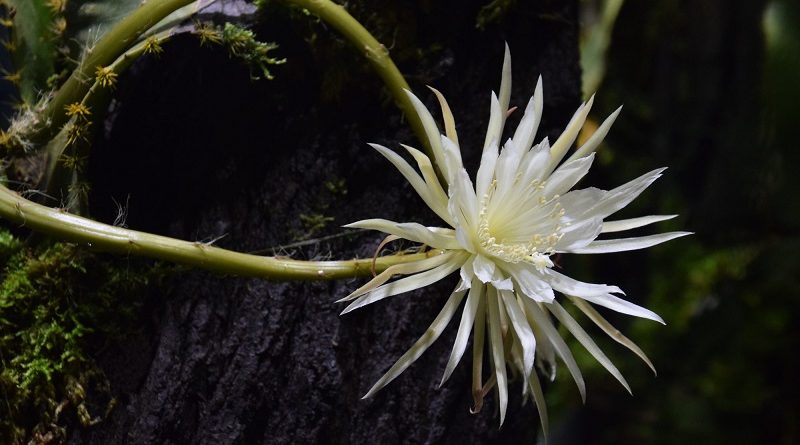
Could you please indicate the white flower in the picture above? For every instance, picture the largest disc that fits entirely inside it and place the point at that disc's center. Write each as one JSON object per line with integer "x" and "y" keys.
{"x": 503, "y": 232}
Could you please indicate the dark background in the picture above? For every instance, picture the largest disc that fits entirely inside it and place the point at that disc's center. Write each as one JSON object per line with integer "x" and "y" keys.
{"x": 198, "y": 151}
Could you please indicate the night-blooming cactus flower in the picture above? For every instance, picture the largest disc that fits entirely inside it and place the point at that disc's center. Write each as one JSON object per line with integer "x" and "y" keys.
{"x": 504, "y": 229}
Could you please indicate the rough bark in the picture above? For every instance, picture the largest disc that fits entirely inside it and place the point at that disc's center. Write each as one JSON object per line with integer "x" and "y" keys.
{"x": 199, "y": 151}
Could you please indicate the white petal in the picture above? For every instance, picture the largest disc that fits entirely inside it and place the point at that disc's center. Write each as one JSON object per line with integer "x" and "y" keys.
{"x": 625, "y": 244}
{"x": 399, "y": 269}
{"x": 610, "y": 330}
{"x": 484, "y": 269}
{"x": 577, "y": 202}
{"x": 429, "y": 174}
{"x": 623, "y": 306}
{"x": 408, "y": 284}
{"x": 496, "y": 118}
{"x": 505, "y": 83}
{"x": 633, "y": 223}
{"x": 577, "y": 331}
{"x": 452, "y": 156}
{"x": 522, "y": 329}
{"x": 420, "y": 186}
{"x": 486, "y": 170}
{"x": 497, "y": 346}
{"x": 424, "y": 342}
{"x": 570, "y": 286}
{"x": 616, "y": 199}
{"x": 564, "y": 142}
{"x": 526, "y": 131}
{"x": 467, "y": 274}
{"x": 540, "y": 318}
{"x": 447, "y": 116}
{"x": 464, "y": 328}
{"x": 530, "y": 284}
{"x": 579, "y": 234}
{"x": 597, "y": 137}
{"x": 541, "y": 405}
{"x": 567, "y": 175}
{"x": 431, "y": 131}
{"x": 411, "y": 231}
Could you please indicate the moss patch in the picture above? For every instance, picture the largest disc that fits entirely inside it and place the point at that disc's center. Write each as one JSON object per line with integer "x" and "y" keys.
{"x": 59, "y": 302}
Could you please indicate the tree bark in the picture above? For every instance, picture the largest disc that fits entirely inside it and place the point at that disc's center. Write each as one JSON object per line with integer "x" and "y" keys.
{"x": 200, "y": 152}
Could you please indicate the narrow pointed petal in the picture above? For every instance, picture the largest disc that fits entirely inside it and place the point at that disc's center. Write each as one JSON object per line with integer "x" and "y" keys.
{"x": 408, "y": 284}
{"x": 478, "y": 340}
{"x": 541, "y": 404}
{"x": 530, "y": 284}
{"x": 447, "y": 116}
{"x": 431, "y": 131}
{"x": 567, "y": 175}
{"x": 611, "y": 331}
{"x": 577, "y": 331}
{"x": 398, "y": 269}
{"x": 486, "y": 171}
{"x": 542, "y": 320}
{"x": 623, "y": 307}
{"x": 529, "y": 125}
{"x": 496, "y": 119}
{"x": 505, "y": 84}
{"x": 424, "y": 342}
{"x": 616, "y": 199}
{"x": 571, "y": 286}
{"x": 464, "y": 328}
{"x": 452, "y": 156}
{"x": 522, "y": 329}
{"x": 410, "y": 231}
{"x": 498, "y": 356}
{"x": 567, "y": 138}
{"x": 420, "y": 186}
{"x": 625, "y": 244}
{"x": 597, "y": 137}
{"x": 429, "y": 174}
{"x": 579, "y": 234}
{"x": 633, "y": 223}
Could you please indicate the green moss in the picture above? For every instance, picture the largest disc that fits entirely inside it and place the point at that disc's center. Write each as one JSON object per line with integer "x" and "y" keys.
{"x": 59, "y": 302}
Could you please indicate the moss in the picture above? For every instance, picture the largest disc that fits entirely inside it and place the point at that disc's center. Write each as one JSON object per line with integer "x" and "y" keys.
{"x": 59, "y": 302}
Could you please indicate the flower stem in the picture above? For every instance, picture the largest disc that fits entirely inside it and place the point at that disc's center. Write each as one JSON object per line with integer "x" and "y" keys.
{"x": 104, "y": 237}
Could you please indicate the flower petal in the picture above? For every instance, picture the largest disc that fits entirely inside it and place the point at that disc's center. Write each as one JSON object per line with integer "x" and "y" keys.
{"x": 611, "y": 331}
{"x": 431, "y": 131}
{"x": 447, "y": 116}
{"x": 399, "y": 269}
{"x": 424, "y": 342}
{"x": 597, "y": 137}
{"x": 541, "y": 319}
{"x": 577, "y": 331}
{"x": 571, "y": 286}
{"x": 476, "y": 293}
{"x": 616, "y": 199}
{"x": 567, "y": 175}
{"x": 522, "y": 329}
{"x": 625, "y": 244}
{"x": 530, "y": 284}
{"x": 408, "y": 284}
{"x": 564, "y": 142}
{"x": 633, "y": 223}
{"x": 420, "y": 186}
{"x": 623, "y": 306}
{"x": 497, "y": 347}
{"x": 411, "y": 231}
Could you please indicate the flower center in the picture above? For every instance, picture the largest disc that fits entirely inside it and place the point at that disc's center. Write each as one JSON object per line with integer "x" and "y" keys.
{"x": 539, "y": 245}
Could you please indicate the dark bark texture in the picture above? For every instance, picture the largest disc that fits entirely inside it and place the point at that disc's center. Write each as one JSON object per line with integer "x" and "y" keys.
{"x": 199, "y": 151}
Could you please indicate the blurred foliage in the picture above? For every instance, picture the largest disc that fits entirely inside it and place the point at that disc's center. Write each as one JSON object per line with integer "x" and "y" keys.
{"x": 709, "y": 90}
{"x": 58, "y": 302}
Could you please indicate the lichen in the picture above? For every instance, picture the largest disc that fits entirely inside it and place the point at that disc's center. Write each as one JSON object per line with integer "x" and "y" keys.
{"x": 58, "y": 303}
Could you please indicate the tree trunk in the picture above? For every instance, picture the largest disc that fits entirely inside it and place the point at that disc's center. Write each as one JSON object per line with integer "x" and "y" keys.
{"x": 200, "y": 152}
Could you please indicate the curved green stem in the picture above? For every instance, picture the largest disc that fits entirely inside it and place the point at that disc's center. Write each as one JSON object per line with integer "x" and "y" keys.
{"x": 114, "y": 42}
{"x": 109, "y": 238}
{"x": 377, "y": 54}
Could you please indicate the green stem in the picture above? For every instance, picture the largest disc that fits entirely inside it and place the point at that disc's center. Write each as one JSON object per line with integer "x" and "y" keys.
{"x": 377, "y": 54}
{"x": 109, "y": 238}
{"x": 114, "y": 42}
